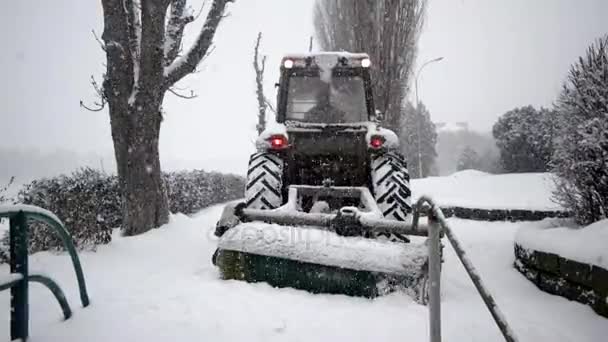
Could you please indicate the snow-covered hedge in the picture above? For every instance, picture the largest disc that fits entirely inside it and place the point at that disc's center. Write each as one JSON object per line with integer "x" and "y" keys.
{"x": 191, "y": 191}
{"x": 89, "y": 204}
{"x": 581, "y": 152}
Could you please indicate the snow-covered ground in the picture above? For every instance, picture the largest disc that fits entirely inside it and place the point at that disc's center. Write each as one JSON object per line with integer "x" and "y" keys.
{"x": 161, "y": 286}
{"x": 476, "y": 189}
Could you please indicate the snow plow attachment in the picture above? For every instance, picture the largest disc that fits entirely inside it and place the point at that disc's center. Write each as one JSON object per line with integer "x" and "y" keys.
{"x": 342, "y": 252}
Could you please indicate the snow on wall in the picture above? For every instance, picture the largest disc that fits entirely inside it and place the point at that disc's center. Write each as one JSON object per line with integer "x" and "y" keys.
{"x": 586, "y": 245}
{"x": 476, "y": 189}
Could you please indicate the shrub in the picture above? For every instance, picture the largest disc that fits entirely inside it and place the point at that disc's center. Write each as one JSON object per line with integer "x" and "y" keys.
{"x": 89, "y": 203}
{"x": 581, "y": 157}
{"x": 191, "y": 191}
{"x": 525, "y": 137}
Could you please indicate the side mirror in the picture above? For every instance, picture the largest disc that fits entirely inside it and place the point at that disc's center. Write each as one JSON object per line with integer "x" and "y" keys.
{"x": 379, "y": 116}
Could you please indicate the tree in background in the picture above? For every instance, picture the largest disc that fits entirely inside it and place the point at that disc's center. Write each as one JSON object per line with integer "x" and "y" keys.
{"x": 451, "y": 143}
{"x": 468, "y": 160}
{"x": 415, "y": 121}
{"x": 4, "y": 189}
{"x": 525, "y": 139}
{"x": 258, "y": 66}
{"x": 581, "y": 156}
{"x": 142, "y": 41}
{"x": 388, "y": 31}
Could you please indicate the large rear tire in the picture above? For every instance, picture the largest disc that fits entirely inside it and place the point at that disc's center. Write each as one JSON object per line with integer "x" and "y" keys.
{"x": 264, "y": 181}
{"x": 391, "y": 185}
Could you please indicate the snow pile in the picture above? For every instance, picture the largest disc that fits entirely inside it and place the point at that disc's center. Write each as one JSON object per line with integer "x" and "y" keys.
{"x": 476, "y": 189}
{"x": 587, "y": 245}
{"x": 325, "y": 247}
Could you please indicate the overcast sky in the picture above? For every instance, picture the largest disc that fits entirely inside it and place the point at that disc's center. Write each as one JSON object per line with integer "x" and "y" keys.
{"x": 498, "y": 55}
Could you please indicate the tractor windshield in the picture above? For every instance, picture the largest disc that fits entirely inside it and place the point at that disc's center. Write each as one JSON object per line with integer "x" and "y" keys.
{"x": 311, "y": 99}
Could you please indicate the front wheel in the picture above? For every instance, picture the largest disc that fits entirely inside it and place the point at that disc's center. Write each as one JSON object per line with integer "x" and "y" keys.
{"x": 391, "y": 185}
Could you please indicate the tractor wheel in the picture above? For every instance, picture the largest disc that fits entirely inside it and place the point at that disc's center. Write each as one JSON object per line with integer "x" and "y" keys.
{"x": 391, "y": 185}
{"x": 264, "y": 181}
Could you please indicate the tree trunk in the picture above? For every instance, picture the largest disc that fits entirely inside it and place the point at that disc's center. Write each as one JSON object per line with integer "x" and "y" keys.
{"x": 135, "y": 133}
{"x": 145, "y": 198}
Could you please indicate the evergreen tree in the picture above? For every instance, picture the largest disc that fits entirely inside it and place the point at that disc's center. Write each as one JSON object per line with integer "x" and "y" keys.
{"x": 418, "y": 139}
{"x": 469, "y": 159}
{"x": 581, "y": 151}
{"x": 525, "y": 139}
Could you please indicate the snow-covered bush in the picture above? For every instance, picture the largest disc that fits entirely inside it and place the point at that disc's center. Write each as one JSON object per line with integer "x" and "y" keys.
{"x": 581, "y": 155}
{"x": 191, "y": 191}
{"x": 89, "y": 203}
{"x": 525, "y": 139}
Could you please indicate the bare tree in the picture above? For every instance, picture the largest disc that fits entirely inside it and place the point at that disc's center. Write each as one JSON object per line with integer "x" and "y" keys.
{"x": 388, "y": 31}
{"x": 258, "y": 66}
{"x": 142, "y": 41}
{"x": 5, "y": 188}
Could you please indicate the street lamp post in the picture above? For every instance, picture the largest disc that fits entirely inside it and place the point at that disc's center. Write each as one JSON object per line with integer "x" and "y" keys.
{"x": 419, "y": 113}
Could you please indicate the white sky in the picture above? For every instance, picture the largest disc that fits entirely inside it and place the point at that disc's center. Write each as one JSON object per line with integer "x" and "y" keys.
{"x": 498, "y": 55}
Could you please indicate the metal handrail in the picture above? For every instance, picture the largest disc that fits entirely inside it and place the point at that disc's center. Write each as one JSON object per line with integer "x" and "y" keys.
{"x": 37, "y": 214}
{"x": 434, "y": 229}
{"x": 438, "y": 224}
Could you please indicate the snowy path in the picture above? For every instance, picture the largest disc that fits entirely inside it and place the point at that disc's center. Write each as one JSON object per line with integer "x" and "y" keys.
{"x": 162, "y": 287}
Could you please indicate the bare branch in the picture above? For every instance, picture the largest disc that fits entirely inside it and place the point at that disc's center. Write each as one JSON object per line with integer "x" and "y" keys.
{"x": 100, "y": 106}
{"x": 258, "y": 67}
{"x": 270, "y": 106}
{"x": 187, "y": 97}
{"x": 200, "y": 11}
{"x": 101, "y": 44}
{"x": 100, "y": 94}
{"x": 178, "y": 19}
{"x": 187, "y": 63}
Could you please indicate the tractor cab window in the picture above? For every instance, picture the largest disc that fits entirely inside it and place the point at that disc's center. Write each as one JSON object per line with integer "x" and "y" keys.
{"x": 312, "y": 99}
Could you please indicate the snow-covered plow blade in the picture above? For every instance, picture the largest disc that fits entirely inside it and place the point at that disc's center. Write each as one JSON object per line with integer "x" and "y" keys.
{"x": 342, "y": 252}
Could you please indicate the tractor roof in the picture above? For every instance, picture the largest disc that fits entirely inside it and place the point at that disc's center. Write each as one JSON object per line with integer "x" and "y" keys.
{"x": 327, "y": 58}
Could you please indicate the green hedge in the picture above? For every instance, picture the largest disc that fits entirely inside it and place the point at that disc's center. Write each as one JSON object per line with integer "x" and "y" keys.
{"x": 89, "y": 203}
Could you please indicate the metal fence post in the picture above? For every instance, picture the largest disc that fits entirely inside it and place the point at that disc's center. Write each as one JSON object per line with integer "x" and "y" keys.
{"x": 19, "y": 292}
{"x": 434, "y": 279}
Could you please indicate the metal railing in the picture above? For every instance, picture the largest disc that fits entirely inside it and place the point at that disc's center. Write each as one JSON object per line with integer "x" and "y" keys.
{"x": 20, "y": 277}
{"x": 434, "y": 229}
{"x": 438, "y": 225}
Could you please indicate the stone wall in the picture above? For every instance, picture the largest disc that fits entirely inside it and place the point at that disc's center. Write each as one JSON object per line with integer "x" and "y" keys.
{"x": 584, "y": 283}
{"x": 501, "y": 214}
